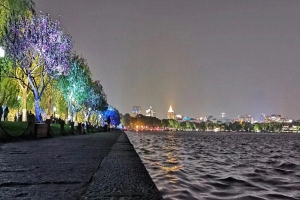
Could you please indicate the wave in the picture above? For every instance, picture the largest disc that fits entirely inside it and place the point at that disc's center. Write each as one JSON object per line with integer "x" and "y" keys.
{"x": 221, "y": 166}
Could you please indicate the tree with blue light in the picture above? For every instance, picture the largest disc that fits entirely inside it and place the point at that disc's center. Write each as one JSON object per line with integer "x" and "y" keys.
{"x": 114, "y": 115}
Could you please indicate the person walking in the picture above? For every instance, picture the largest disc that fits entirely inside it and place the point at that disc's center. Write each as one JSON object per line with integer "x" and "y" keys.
{"x": 6, "y": 111}
{"x": 1, "y": 112}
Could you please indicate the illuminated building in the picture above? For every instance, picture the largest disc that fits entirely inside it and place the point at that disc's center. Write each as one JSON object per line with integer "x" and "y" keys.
{"x": 150, "y": 112}
{"x": 275, "y": 118}
{"x": 247, "y": 118}
{"x": 262, "y": 117}
{"x": 178, "y": 117}
{"x": 171, "y": 114}
{"x": 223, "y": 115}
{"x": 136, "y": 110}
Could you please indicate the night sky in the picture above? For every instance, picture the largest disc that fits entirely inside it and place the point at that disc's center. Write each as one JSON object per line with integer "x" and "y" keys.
{"x": 203, "y": 57}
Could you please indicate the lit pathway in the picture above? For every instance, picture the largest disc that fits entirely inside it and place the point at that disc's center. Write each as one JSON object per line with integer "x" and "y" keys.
{"x": 97, "y": 166}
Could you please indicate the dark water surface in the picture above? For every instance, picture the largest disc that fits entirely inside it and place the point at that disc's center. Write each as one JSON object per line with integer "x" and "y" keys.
{"x": 194, "y": 165}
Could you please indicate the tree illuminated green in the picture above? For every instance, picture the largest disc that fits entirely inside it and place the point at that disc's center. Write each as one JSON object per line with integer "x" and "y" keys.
{"x": 76, "y": 85}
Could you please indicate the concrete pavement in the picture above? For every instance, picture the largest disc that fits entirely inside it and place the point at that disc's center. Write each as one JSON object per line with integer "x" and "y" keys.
{"x": 98, "y": 166}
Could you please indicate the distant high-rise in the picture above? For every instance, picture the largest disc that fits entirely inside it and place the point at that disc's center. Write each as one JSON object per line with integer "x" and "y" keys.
{"x": 171, "y": 114}
{"x": 136, "y": 110}
{"x": 150, "y": 112}
{"x": 262, "y": 117}
{"x": 223, "y": 115}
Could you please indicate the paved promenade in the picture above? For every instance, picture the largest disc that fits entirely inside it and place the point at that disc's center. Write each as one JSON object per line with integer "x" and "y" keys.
{"x": 98, "y": 166}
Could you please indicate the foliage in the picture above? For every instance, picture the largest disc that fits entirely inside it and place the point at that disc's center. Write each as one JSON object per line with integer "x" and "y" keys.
{"x": 143, "y": 121}
{"x": 125, "y": 120}
{"x": 114, "y": 115}
{"x": 76, "y": 85}
{"x": 96, "y": 102}
{"x": 9, "y": 93}
{"x": 10, "y": 8}
{"x": 40, "y": 48}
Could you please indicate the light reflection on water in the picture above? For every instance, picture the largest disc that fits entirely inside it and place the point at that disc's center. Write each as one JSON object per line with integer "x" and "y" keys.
{"x": 193, "y": 165}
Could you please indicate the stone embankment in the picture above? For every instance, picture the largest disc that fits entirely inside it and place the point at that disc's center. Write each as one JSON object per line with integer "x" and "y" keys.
{"x": 99, "y": 166}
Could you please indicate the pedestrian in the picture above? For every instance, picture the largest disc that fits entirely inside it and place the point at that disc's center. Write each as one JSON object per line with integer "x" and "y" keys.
{"x": 40, "y": 118}
{"x": 1, "y": 112}
{"x": 6, "y": 111}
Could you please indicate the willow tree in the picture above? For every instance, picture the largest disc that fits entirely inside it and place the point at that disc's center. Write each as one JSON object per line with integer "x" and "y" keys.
{"x": 8, "y": 9}
{"x": 39, "y": 48}
{"x": 9, "y": 93}
{"x": 76, "y": 86}
{"x": 97, "y": 101}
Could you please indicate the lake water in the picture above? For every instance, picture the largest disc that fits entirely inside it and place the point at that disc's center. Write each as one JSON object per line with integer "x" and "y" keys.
{"x": 195, "y": 165}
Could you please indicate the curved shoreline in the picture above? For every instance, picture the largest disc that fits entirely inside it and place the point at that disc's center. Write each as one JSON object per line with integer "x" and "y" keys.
{"x": 129, "y": 178}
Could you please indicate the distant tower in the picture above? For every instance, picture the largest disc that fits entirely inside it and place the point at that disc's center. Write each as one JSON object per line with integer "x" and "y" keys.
{"x": 223, "y": 115}
{"x": 136, "y": 110}
{"x": 262, "y": 117}
{"x": 171, "y": 114}
{"x": 150, "y": 112}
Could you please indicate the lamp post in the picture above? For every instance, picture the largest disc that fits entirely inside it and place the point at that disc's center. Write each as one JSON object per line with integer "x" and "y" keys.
{"x": 18, "y": 108}
{"x": 2, "y": 54}
{"x": 54, "y": 110}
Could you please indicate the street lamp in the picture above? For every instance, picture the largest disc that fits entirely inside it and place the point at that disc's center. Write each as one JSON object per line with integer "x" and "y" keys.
{"x": 2, "y": 54}
{"x": 18, "y": 107}
{"x": 54, "y": 109}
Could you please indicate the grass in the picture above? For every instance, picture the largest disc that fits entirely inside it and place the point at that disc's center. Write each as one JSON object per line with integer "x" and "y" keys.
{"x": 16, "y": 129}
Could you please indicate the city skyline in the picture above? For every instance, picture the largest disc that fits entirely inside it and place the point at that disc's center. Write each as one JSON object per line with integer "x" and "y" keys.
{"x": 172, "y": 114}
{"x": 215, "y": 56}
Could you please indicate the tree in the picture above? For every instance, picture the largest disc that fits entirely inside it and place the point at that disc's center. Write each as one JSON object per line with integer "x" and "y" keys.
{"x": 125, "y": 120}
{"x": 165, "y": 123}
{"x": 257, "y": 127}
{"x": 40, "y": 48}
{"x": 10, "y": 8}
{"x": 114, "y": 115}
{"x": 97, "y": 100}
{"x": 9, "y": 93}
{"x": 76, "y": 86}
{"x": 236, "y": 126}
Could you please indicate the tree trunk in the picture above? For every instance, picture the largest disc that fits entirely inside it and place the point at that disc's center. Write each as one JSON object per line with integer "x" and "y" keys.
{"x": 66, "y": 114}
{"x": 37, "y": 109}
{"x": 24, "y": 104}
{"x": 49, "y": 106}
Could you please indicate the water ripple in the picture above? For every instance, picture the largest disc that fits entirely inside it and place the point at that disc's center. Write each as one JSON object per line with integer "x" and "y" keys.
{"x": 193, "y": 165}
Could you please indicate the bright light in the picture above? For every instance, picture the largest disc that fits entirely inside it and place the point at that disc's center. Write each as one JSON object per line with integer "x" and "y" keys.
{"x": 2, "y": 52}
{"x": 19, "y": 97}
{"x": 54, "y": 109}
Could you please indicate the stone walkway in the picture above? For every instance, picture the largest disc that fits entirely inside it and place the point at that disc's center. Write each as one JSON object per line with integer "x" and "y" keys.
{"x": 98, "y": 166}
